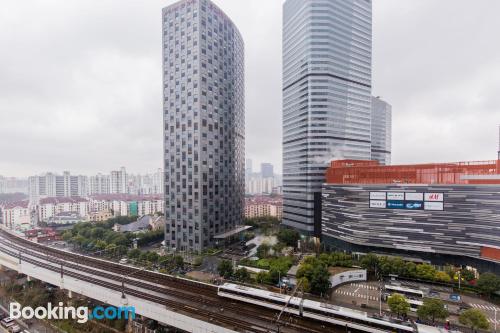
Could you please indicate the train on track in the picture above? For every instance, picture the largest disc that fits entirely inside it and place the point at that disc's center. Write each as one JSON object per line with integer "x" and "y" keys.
{"x": 356, "y": 320}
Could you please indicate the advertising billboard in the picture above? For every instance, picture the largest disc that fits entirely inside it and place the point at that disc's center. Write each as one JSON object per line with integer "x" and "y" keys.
{"x": 414, "y": 196}
{"x": 377, "y": 196}
{"x": 433, "y": 196}
{"x": 377, "y": 204}
{"x": 395, "y": 195}
{"x": 414, "y": 205}
{"x": 395, "y": 204}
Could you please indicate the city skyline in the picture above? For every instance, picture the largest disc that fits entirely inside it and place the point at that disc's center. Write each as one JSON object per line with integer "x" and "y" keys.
{"x": 441, "y": 114}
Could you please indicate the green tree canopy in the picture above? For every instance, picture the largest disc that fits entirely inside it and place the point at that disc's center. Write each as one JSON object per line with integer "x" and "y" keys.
{"x": 370, "y": 262}
{"x": 474, "y": 319}
{"x": 488, "y": 283}
{"x": 225, "y": 269}
{"x": 398, "y": 304}
{"x": 467, "y": 275}
{"x": 432, "y": 309}
{"x": 242, "y": 275}
{"x": 289, "y": 237}
{"x": 425, "y": 272}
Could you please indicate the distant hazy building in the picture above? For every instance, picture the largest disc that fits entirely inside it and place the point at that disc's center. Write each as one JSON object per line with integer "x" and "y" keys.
{"x": 15, "y": 215}
{"x": 381, "y": 131}
{"x": 99, "y": 184}
{"x": 248, "y": 168}
{"x": 266, "y": 170}
{"x": 327, "y": 51}
{"x": 52, "y": 185}
{"x": 119, "y": 181}
{"x": 204, "y": 129}
{"x": 13, "y": 185}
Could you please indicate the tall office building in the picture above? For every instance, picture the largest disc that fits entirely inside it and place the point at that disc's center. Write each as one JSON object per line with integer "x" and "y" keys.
{"x": 381, "y": 131}
{"x": 326, "y": 96}
{"x": 204, "y": 130}
{"x": 266, "y": 170}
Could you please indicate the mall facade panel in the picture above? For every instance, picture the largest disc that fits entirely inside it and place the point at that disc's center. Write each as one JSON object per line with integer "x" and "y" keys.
{"x": 327, "y": 53}
{"x": 204, "y": 124}
{"x": 428, "y": 220}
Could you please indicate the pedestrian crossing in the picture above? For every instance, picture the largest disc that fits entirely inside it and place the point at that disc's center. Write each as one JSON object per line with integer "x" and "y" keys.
{"x": 364, "y": 286}
{"x": 485, "y": 307}
{"x": 352, "y": 294}
{"x": 493, "y": 321}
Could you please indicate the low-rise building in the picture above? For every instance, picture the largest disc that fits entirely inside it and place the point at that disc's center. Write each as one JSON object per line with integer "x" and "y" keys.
{"x": 260, "y": 206}
{"x": 49, "y": 207}
{"x": 65, "y": 218}
{"x": 127, "y": 204}
{"x": 99, "y": 216}
{"x": 15, "y": 215}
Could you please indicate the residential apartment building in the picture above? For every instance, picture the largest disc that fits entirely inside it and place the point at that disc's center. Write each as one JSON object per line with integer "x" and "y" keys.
{"x": 52, "y": 185}
{"x": 327, "y": 51}
{"x": 50, "y": 207}
{"x": 126, "y": 204}
{"x": 15, "y": 215}
{"x": 204, "y": 129}
{"x": 260, "y": 206}
{"x": 118, "y": 181}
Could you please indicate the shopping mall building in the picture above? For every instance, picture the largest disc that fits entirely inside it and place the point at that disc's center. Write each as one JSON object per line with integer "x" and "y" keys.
{"x": 446, "y": 213}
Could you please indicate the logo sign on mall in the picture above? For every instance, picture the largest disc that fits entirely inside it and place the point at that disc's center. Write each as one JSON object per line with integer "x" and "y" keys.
{"x": 395, "y": 196}
{"x": 433, "y": 196}
{"x": 377, "y": 204}
{"x": 411, "y": 196}
{"x": 377, "y": 196}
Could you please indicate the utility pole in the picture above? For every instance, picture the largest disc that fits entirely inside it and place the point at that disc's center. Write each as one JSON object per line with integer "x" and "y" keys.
{"x": 380, "y": 299}
{"x": 495, "y": 320}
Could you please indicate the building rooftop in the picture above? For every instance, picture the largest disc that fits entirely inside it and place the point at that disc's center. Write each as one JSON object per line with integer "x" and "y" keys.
{"x": 126, "y": 197}
{"x": 371, "y": 172}
{"x": 58, "y": 200}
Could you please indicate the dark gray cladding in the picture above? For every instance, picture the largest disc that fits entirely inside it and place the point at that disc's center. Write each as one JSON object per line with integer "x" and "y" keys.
{"x": 470, "y": 219}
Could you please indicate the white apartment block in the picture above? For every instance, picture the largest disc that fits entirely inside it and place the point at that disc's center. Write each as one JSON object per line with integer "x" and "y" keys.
{"x": 49, "y": 207}
{"x": 126, "y": 204}
{"x": 50, "y": 185}
{"x": 15, "y": 215}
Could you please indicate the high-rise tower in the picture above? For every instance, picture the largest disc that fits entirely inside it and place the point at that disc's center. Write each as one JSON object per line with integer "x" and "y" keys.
{"x": 381, "y": 131}
{"x": 204, "y": 130}
{"x": 327, "y": 51}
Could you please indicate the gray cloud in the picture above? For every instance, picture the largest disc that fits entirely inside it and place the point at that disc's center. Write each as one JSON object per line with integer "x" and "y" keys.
{"x": 80, "y": 81}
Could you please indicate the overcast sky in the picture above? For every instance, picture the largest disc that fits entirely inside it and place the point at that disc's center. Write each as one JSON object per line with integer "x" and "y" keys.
{"x": 80, "y": 81}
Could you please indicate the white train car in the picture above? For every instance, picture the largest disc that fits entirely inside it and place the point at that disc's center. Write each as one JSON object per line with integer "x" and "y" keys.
{"x": 337, "y": 315}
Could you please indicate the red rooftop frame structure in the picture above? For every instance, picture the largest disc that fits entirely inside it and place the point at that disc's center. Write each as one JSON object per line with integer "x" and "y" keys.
{"x": 371, "y": 172}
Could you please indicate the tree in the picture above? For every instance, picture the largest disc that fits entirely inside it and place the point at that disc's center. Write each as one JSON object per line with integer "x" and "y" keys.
{"x": 305, "y": 285}
{"x": 179, "y": 262}
{"x": 488, "y": 283}
{"x": 432, "y": 309}
{"x": 289, "y": 237}
{"x": 242, "y": 275}
{"x": 425, "y": 272}
{"x": 442, "y": 277}
{"x": 263, "y": 250}
{"x": 474, "y": 319}
{"x": 225, "y": 269}
{"x": 398, "y": 304}
{"x": 319, "y": 280}
{"x": 262, "y": 277}
{"x": 467, "y": 275}
{"x": 370, "y": 262}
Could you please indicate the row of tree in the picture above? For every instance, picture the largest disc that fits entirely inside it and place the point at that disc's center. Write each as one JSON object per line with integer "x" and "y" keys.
{"x": 434, "y": 309}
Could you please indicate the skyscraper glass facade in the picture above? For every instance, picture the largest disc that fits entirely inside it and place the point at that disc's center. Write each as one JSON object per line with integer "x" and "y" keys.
{"x": 203, "y": 89}
{"x": 326, "y": 96}
{"x": 381, "y": 131}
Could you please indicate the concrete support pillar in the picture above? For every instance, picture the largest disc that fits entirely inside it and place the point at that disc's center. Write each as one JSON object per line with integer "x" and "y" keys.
{"x": 29, "y": 278}
{"x": 70, "y": 294}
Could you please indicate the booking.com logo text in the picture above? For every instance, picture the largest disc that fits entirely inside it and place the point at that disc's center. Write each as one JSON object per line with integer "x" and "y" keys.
{"x": 81, "y": 314}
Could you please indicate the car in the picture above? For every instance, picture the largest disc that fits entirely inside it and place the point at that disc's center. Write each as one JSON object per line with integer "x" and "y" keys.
{"x": 15, "y": 329}
{"x": 455, "y": 298}
{"x": 123, "y": 261}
